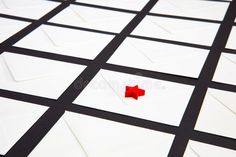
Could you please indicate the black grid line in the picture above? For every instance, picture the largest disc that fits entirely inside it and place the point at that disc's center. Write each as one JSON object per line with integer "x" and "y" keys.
{"x": 54, "y": 113}
{"x": 125, "y": 119}
{"x": 227, "y": 50}
{"x": 27, "y": 98}
{"x": 49, "y": 55}
{"x": 212, "y": 139}
{"x": 223, "y": 86}
{"x": 194, "y": 106}
{"x": 35, "y": 134}
{"x": 185, "y": 18}
{"x": 17, "y": 18}
{"x": 151, "y": 74}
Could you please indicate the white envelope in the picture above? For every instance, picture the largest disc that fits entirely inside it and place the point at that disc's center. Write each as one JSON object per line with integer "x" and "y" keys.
{"x": 103, "y": 138}
{"x": 226, "y": 69}
{"x": 202, "y": 9}
{"x": 33, "y": 9}
{"x": 65, "y": 41}
{"x": 9, "y": 27}
{"x": 231, "y": 43}
{"x": 60, "y": 142}
{"x": 16, "y": 117}
{"x": 162, "y": 57}
{"x": 36, "y": 76}
{"x": 218, "y": 113}
{"x": 163, "y": 102}
{"x": 89, "y": 17}
{"x": 199, "y": 149}
{"x": 123, "y": 4}
{"x": 188, "y": 31}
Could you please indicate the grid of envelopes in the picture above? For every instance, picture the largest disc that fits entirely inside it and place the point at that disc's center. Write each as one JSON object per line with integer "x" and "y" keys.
{"x": 65, "y": 65}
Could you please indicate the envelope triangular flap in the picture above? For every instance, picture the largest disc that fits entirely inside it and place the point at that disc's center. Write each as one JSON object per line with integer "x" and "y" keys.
{"x": 158, "y": 52}
{"x": 58, "y": 142}
{"x": 198, "y": 149}
{"x": 105, "y": 138}
{"x": 226, "y": 98}
{"x": 23, "y": 68}
{"x": 178, "y": 27}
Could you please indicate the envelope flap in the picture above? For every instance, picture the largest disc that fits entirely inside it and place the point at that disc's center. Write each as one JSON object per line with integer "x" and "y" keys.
{"x": 175, "y": 26}
{"x": 225, "y": 98}
{"x": 230, "y": 57}
{"x": 157, "y": 51}
{"x": 23, "y": 68}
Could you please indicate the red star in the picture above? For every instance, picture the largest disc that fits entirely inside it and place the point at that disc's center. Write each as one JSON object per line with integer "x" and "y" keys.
{"x": 134, "y": 92}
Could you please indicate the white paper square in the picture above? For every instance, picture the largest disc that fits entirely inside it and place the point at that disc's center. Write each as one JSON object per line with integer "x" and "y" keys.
{"x": 161, "y": 57}
{"x": 226, "y": 69}
{"x": 202, "y": 33}
{"x": 94, "y": 18}
{"x": 202, "y": 9}
{"x": 163, "y": 102}
{"x": 231, "y": 43}
{"x": 36, "y": 76}
{"x": 65, "y": 41}
{"x": 104, "y": 138}
{"x": 218, "y": 113}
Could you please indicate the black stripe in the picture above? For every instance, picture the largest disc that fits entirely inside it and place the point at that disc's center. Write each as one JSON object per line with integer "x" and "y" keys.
{"x": 80, "y": 28}
{"x": 49, "y": 55}
{"x": 184, "y": 18}
{"x": 232, "y": 51}
{"x": 27, "y": 98}
{"x": 101, "y": 7}
{"x": 151, "y": 74}
{"x": 17, "y": 18}
{"x": 122, "y": 118}
{"x": 22, "y": 33}
{"x": 171, "y": 42}
{"x": 212, "y": 139}
{"x": 191, "y": 114}
{"x": 222, "y": 86}
{"x": 35, "y": 134}
{"x": 106, "y": 7}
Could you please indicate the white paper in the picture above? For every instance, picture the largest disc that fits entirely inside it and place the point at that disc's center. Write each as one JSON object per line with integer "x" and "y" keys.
{"x": 163, "y": 101}
{"x": 36, "y": 76}
{"x": 161, "y": 57}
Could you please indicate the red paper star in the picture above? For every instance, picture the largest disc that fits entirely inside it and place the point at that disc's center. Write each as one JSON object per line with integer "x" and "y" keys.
{"x": 134, "y": 92}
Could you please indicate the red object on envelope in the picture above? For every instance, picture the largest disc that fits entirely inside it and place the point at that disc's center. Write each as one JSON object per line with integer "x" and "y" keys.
{"x": 134, "y": 92}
